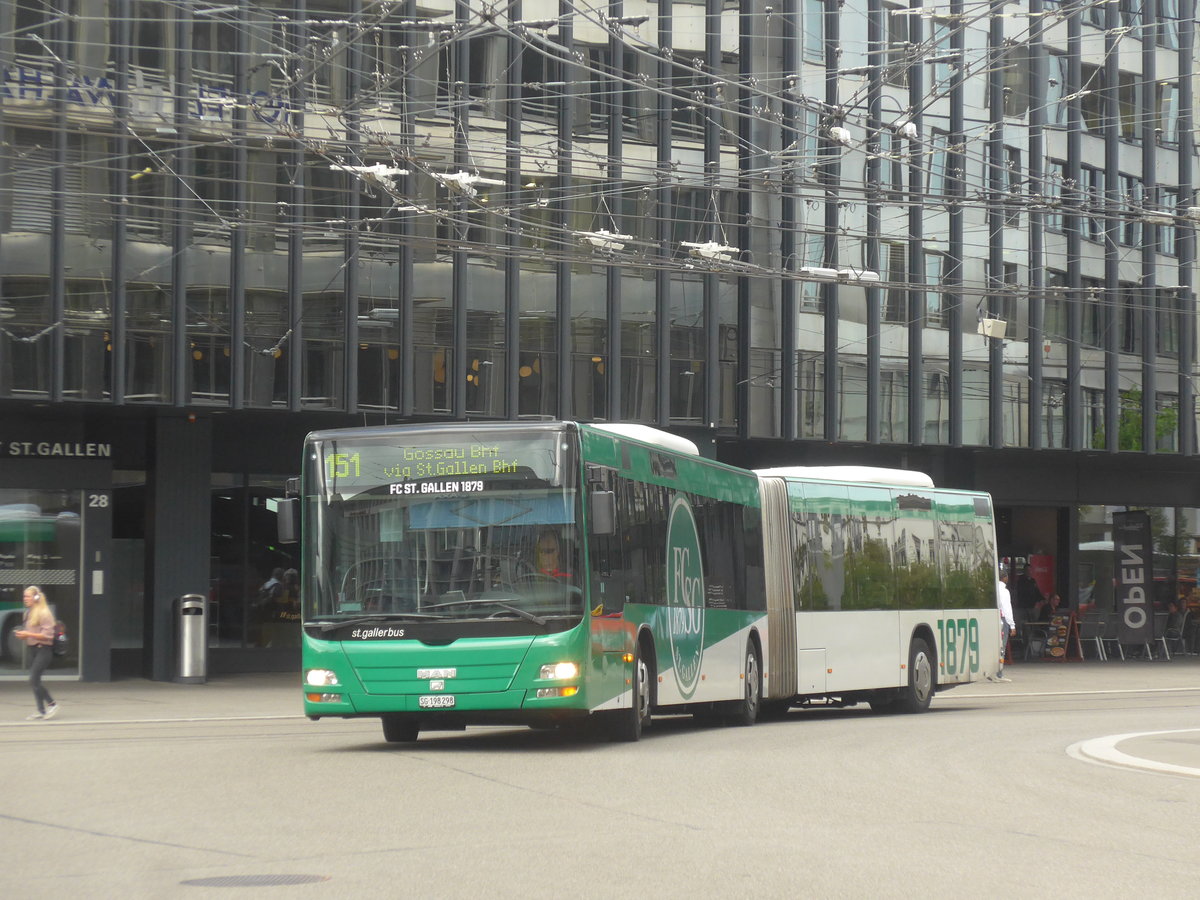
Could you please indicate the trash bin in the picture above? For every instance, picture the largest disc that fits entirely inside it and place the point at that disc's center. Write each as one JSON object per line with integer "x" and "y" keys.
{"x": 191, "y": 639}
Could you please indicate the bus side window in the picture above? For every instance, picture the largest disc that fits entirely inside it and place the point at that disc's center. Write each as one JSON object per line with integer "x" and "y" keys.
{"x": 754, "y": 592}
{"x": 606, "y": 557}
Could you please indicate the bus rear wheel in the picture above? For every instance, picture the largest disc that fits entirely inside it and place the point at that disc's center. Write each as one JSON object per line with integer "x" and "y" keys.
{"x": 746, "y": 710}
{"x": 916, "y": 696}
{"x": 399, "y": 729}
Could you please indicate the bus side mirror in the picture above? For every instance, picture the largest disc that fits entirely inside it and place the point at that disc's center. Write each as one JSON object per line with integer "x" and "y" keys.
{"x": 288, "y": 520}
{"x": 603, "y": 512}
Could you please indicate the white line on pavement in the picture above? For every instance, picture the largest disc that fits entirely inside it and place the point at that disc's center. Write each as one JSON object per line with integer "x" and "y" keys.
{"x": 957, "y": 696}
{"x": 1103, "y": 751}
{"x": 62, "y": 722}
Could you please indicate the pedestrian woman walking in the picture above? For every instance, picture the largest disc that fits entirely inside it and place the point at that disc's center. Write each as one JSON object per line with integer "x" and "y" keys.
{"x": 38, "y": 634}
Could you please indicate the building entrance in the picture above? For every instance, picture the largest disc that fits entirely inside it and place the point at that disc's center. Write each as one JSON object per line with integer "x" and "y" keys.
{"x": 41, "y": 535}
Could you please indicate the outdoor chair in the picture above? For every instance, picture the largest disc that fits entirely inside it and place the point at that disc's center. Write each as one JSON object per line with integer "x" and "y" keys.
{"x": 1091, "y": 631}
{"x": 1035, "y": 641}
{"x": 1109, "y": 639}
{"x": 1177, "y": 638}
{"x": 1160, "y": 637}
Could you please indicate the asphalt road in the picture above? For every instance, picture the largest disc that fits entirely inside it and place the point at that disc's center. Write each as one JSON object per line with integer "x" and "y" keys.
{"x": 151, "y": 790}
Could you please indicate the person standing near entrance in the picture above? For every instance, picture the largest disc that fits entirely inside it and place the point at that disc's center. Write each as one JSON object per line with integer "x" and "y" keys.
{"x": 38, "y": 634}
{"x": 1007, "y": 625}
{"x": 1029, "y": 597}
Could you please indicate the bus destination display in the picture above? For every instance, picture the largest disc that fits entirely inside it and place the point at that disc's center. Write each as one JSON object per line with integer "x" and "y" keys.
{"x": 417, "y": 470}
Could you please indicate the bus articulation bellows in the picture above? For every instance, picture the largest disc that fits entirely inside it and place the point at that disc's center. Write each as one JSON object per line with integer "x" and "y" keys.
{"x": 555, "y": 573}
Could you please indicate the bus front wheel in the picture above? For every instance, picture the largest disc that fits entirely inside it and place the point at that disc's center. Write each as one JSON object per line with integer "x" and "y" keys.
{"x": 399, "y": 729}
{"x": 918, "y": 693}
{"x": 627, "y": 724}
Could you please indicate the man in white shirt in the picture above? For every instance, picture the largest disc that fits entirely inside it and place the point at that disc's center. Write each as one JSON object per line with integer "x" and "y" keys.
{"x": 1007, "y": 625}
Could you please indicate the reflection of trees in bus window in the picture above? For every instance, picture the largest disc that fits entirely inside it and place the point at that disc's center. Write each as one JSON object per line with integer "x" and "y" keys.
{"x": 958, "y": 589}
{"x": 968, "y": 578}
{"x": 869, "y": 577}
{"x": 917, "y": 583}
{"x": 800, "y": 568}
{"x": 827, "y": 545}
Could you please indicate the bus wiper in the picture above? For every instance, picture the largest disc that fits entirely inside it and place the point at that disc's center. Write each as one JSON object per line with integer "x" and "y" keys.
{"x": 369, "y": 620}
{"x": 523, "y": 613}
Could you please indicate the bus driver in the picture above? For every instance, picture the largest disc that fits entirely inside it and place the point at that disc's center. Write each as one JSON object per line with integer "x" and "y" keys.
{"x": 547, "y": 550}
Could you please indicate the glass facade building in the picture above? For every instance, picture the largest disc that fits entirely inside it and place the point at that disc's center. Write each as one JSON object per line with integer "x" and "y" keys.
{"x": 954, "y": 235}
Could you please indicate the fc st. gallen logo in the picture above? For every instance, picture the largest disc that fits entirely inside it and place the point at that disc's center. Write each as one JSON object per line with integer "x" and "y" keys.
{"x": 685, "y": 595}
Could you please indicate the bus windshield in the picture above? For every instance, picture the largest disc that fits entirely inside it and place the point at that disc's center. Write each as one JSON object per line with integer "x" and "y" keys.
{"x": 463, "y": 525}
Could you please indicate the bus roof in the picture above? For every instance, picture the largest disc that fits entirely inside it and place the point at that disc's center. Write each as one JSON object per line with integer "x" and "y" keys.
{"x": 868, "y": 474}
{"x": 648, "y": 435}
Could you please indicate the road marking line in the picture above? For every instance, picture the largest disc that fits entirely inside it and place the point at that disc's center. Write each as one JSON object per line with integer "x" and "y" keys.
{"x": 61, "y": 722}
{"x": 1103, "y": 751}
{"x": 956, "y": 695}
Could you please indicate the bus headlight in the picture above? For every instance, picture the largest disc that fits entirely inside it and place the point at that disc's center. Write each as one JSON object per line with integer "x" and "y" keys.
{"x": 321, "y": 677}
{"x": 560, "y": 670}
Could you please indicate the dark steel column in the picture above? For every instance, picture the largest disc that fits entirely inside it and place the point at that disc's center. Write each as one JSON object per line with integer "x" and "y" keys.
{"x": 876, "y": 60}
{"x": 404, "y": 251}
{"x": 350, "y": 248}
{"x": 995, "y": 219}
{"x": 560, "y": 212}
{"x": 237, "y": 234}
{"x": 122, "y": 32}
{"x": 1112, "y": 229}
{"x": 712, "y": 165}
{"x": 177, "y": 538}
{"x": 745, "y": 108}
{"x": 1038, "y": 82}
{"x": 1073, "y": 215}
{"x": 1147, "y": 290}
{"x": 298, "y": 39}
{"x": 916, "y": 246}
{"x": 182, "y": 192}
{"x": 512, "y": 238}
{"x": 57, "y": 33}
{"x": 460, "y": 118}
{"x": 666, "y": 252}
{"x": 830, "y": 153}
{"x": 1186, "y": 238}
{"x": 956, "y": 167}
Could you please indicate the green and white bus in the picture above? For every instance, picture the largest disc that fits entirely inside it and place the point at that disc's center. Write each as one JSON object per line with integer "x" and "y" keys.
{"x": 555, "y": 573}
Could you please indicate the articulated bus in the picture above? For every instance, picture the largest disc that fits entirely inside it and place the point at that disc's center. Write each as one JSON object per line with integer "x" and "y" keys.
{"x": 557, "y": 573}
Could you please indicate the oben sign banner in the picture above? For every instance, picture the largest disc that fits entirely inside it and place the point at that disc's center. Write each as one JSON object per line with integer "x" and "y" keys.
{"x": 1134, "y": 568}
